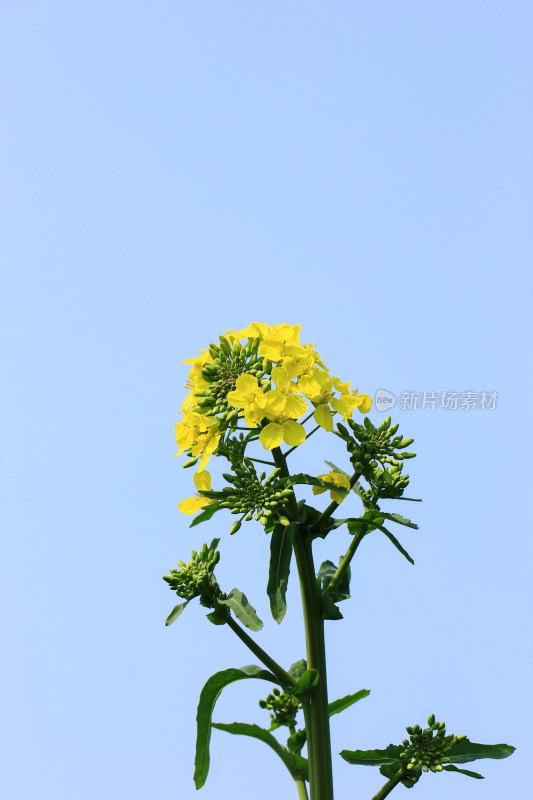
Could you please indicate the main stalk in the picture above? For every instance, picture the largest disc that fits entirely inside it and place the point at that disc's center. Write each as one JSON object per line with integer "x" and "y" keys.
{"x": 316, "y": 717}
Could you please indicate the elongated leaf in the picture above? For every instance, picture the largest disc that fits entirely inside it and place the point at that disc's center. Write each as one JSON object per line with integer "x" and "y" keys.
{"x": 305, "y": 682}
{"x": 373, "y": 758}
{"x": 399, "y": 519}
{"x": 464, "y": 751}
{"x": 296, "y": 764}
{"x": 174, "y": 614}
{"x": 451, "y": 768}
{"x": 206, "y": 514}
{"x": 208, "y": 697}
{"x": 396, "y": 543}
{"x": 337, "y": 706}
{"x": 280, "y": 565}
{"x": 245, "y": 613}
{"x": 309, "y": 480}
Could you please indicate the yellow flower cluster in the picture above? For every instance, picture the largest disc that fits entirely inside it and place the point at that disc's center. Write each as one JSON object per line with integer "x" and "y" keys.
{"x": 277, "y": 377}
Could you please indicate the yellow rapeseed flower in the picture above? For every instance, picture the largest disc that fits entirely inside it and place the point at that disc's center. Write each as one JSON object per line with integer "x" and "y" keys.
{"x": 338, "y": 479}
{"x": 199, "y": 434}
{"x": 202, "y": 481}
{"x": 249, "y": 396}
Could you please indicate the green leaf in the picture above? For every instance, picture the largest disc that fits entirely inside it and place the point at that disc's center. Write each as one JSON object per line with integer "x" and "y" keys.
{"x": 297, "y": 669}
{"x": 464, "y": 751}
{"x": 390, "y": 770}
{"x": 245, "y": 613}
{"x": 296, "y": 764}
{"x": 280, "y": 565}
{"x": 309, "y": 480}
{"x": 208, "y": 697}
{"x": 363, "y": 524}
{"x": 176, "y": 611}
{"x": 306, "y": 681}
{"x": 328, "y": 609}
{"x": 399, "y": 519}
{"x": 218, "y": 616}
{"x": 396, "y": 543}
{"x": 337, "y": 706}
{"x": 325, "y": 576}
{"x": 206, "y": 514}
{"x": 451, "y": 768}
{"x": 373, "y": 758}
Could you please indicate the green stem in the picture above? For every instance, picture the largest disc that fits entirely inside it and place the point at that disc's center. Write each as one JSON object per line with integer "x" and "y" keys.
{"x": 269, "y": 662}
{"x": 302, "y": 789}
{"x": 343, "y": 566}
{"x": 389, "y": 786}
{"x": 317, "y": 716}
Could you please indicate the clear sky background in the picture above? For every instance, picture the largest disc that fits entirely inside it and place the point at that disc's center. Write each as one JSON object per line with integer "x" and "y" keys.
{"x": 173, "y": 169}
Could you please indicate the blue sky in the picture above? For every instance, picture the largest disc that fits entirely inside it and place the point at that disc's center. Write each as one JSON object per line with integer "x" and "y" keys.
{"x": 174, "y": 169}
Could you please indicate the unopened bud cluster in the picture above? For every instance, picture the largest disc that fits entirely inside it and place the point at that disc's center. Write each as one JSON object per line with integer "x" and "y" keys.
{"x": 387, "y": 483}
{"x": 195, "y": 578}
{"x": 255, "y": 496}
{"x": 229, "y": 361}
{"x": 366, "y": 443}
{"x": 284, "y": 707}
{"x": 426, "y": 749}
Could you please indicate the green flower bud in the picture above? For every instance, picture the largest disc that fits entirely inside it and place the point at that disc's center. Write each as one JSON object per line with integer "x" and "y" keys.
{"x": 431, "y": 719}
{"x": 235, "y": 527}
{"x": 190, "y": 463}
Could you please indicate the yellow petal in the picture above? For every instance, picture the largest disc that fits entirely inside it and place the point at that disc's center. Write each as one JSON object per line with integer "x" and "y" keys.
{"x": 318, "y": 489}
{"x": 246, "y": 383}
{"x": 322, "y": 416}
{"x": 366, "y": 405}
{"x": 193, "y": 504}
{"x": 343, "y": 388}
{"x": 202, "y": 481}
{"x": 309, "y": 386}
{"x": 275, "y": 403}
{"x": 295, "y": 406}
{"x": 271, "y": 436}
{"x": 293, "y": 432}
{"x": 280, "y": 378}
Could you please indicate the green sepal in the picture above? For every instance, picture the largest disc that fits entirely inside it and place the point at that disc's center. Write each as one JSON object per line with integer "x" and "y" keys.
{"x": 336, "y": 706}
{"x": 212, "y": 495}
{"x": 452, "y": 768}
{"x": 464, "y": 750}
{"x": 206, "y": 514}
{"x": 306, "y": 681}
{"x": 279, "y": 568}
{"x": 208, "y": 697}
{"x": 295, "y": 763}
{"x": 176, "y": 611}
{"x": 245, "y": 613}
{"x": 374, "y": 758}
